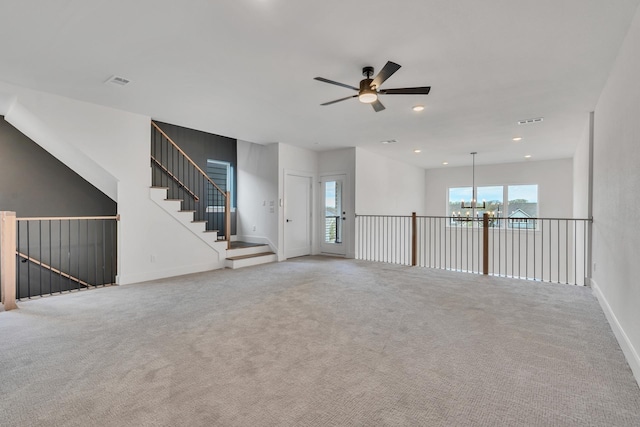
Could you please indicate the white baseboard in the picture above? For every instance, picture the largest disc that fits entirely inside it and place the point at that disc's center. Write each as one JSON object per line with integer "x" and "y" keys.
{"x": 625, "y": 343}
{"x": 165, "y": 273}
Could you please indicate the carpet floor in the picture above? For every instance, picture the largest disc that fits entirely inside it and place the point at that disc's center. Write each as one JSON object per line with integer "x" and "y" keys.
{"x": 316, "y": 341}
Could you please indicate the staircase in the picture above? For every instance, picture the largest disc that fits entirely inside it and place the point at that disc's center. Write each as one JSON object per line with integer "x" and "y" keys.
{"x": 183, "y": 190}
{"x": 185, "y": 217}
{"x": 238, "y": 254}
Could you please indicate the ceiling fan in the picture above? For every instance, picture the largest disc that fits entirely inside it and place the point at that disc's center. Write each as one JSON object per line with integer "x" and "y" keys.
{"x": 370, "y": 88}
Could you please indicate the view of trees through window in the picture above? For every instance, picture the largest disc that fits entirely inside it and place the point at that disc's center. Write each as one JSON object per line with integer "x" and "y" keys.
{"x": 521, "y": 206}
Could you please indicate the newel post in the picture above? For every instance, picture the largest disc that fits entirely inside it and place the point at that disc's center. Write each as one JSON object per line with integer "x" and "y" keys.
{"x": 8, "y": 259}
{"x": 485, "y": 243}
{"x": 414, "y": 240}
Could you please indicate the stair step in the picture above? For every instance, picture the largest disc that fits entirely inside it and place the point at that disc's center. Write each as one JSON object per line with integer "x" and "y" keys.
{"x": 235, "y": 258}
{"x": 186, "y": 210}
{"x": 160, "y": 188}
{"x": 249, "y": 260}
{"x": 211, "y": 231}
{"x": 174, "y": 200}
{"x": 198, "y": 222}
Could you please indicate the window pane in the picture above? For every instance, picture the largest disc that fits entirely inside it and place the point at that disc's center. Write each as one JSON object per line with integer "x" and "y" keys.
{"x": 523, "y": 204}
{"x": 333, "y": 209}
{"x": 456, "y": 196}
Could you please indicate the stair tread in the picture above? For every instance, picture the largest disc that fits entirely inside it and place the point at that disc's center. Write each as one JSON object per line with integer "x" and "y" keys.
{"x": 174, "y": 200}
{"x": 197, "y": 222}
{"x": 211, "y": 231}
{"x": 186, "y": 210}
{"x": 160, "y": 188}
{"x": 234, "y": 258}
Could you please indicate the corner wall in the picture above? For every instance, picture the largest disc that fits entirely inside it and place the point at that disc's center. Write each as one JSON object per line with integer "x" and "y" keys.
{"x": 258, "y": 193}
{"x": 336, "y": 162}
{"x": 387, "y": 187}
{"x": 616, "y": 200}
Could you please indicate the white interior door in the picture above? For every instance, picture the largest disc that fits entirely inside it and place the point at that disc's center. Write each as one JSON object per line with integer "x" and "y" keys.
{"x": 297, "y": 216}
{"x": 333, "y": 214}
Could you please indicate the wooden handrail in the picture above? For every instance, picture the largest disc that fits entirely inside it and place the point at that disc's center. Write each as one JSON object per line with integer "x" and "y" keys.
{"x": 55, "y": 270}
{"x": 188, "y": 158}
{"x": 176, "y": 179}
{"x": 65, "y": 218}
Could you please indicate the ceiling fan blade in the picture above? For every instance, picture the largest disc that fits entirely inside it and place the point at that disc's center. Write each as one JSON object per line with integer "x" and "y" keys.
{"x": 407, "y": 91}
{"x": 341, "y": 99}
{"x": 322, "y": 79}
{"x": 386, "y": 72}
{"x": 377, "y": 105}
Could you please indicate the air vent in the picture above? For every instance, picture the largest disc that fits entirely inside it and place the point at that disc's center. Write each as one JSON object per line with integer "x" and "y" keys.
{"x": 389, "y": 141}
{"x": 117, "y": 80}
{"x": 529, "y": 121}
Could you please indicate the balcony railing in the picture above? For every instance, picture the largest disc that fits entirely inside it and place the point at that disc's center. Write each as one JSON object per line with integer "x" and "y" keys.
{"x": 543, "y": 249}
{"x": 332, "y": 229}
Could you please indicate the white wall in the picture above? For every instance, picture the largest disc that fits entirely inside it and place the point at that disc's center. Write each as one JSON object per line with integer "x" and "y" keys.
{"x": 341, "y": 162}
{"x": 554, "y": 179}
{"x": 581, "y": 176}
{"x": 258, "y": 193}
{"x": 84, "y": 135}
{"x": 387, "y": 187}
{"x": 616, "y": 197}
{"x": 298, "y": 160}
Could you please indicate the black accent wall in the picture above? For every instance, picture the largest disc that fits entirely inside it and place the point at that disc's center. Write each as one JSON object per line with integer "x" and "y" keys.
{"x": 201, "y": 146}
{"x": 34, "y": 183}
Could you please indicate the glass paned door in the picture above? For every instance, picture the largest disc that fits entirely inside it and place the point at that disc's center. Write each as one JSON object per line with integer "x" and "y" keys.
{"x": 333, "y": 215}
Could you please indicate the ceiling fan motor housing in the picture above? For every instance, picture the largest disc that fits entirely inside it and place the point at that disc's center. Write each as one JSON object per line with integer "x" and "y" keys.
{"x": 367, "y": 71}
{"x": 365, "y": 86}
{"x": 367, "y": 94}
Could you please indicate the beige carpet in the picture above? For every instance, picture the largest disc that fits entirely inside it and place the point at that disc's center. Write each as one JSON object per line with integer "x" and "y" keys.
{"x": 316, "y": 342}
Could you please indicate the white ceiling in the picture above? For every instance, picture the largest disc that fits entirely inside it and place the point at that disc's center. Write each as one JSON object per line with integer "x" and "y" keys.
{"x": 245, "y": 68}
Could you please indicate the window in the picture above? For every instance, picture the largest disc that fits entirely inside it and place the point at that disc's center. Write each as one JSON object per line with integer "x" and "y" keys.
{"x": 521, "y": 206}
{"x": 222, "y": 174}
{"x": 456, "y": 196}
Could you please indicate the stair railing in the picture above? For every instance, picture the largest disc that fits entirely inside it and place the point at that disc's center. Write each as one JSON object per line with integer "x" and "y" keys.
{"x": 185, "y": 180}
{"x": 49, "y": 255}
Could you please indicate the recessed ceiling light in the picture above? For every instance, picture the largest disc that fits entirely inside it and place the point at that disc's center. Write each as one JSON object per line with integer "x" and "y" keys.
{"x": 528, "y": 156}
{"x": 389, "y": 141}
{"x": 418, "y": 108}
{"x": 445, "y": 163}
{"x": 517, "y": 138}
{"x": 417, "y": 150}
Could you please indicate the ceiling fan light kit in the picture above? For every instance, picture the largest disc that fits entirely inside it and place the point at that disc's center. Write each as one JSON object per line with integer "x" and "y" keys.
{"x": 369, "y": 90}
